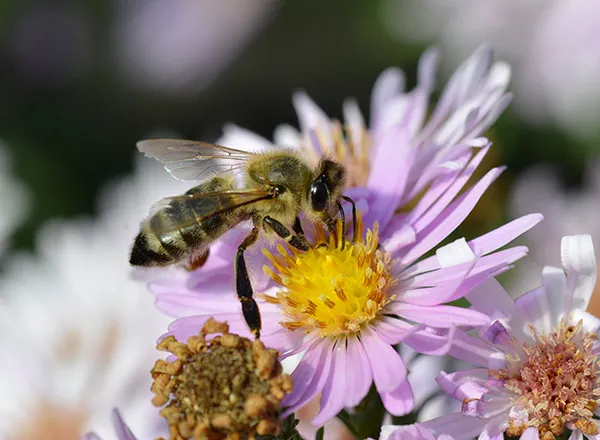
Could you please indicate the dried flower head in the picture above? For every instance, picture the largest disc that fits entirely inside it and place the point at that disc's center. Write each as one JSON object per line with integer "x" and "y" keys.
{"x": 225, "y": 387}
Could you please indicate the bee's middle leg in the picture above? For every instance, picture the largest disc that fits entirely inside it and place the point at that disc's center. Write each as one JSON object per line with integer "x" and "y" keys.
{"x": 298, "y": 241}
{"x": 244, "y": 287}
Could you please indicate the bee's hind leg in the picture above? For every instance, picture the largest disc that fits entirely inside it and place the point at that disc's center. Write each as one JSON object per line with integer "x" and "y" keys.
{"x": 244, "y": 287}
{"x": 298, "y": 241}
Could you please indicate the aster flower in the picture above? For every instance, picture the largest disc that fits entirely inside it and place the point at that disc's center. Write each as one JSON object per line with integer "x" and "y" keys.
{"x": 177, "y": 46}
{"x": 538, "y": 372}
{"x": 381, "y": 296}
{"x": 85, "y": 329}
{"x": 554, "y": 78}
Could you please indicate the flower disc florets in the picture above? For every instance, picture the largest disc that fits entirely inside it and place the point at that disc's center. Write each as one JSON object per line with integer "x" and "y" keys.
{"x": 225, "y": 387}
{"x": 556, "y": 382}
{"x": 331, "y": 289}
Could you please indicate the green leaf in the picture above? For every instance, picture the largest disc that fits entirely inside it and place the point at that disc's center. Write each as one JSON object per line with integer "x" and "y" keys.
{"x": 366, "y": 419}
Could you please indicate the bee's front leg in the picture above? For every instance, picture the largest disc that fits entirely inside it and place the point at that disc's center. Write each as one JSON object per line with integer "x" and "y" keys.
{"x": 298, "y": 241}
{"x": 244, "y": 287}
{"x": 349, "y": 200}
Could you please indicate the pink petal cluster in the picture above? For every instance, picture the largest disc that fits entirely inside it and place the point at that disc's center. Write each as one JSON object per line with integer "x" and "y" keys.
{"x": 408, "y": 156}
{"x": 496, "y": 400}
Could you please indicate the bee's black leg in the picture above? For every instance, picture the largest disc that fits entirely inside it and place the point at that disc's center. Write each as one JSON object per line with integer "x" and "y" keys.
{"x": 298, "y": 241}
{"x": 244, "y": 287}
{"x": 343, "y": 217}
{"x": 349, "y": 200}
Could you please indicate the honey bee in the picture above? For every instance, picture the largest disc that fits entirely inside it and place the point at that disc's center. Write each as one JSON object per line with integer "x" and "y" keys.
{"x": 277, "y": 185}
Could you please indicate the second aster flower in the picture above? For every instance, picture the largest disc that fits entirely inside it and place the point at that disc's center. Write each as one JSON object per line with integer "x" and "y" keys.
{"x": 357, "y": 302}
{"x": 538, "y": 370}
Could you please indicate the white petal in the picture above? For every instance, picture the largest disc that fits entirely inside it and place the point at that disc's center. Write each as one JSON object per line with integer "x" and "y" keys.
{"x": 579, "y": 262}
{"x": 243, "y": 139}
{"x": 555, "y": 286}
{"x": 287, "y": 136}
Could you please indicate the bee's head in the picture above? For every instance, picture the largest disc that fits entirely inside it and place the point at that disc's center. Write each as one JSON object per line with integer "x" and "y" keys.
{"x": 326, "y": 188}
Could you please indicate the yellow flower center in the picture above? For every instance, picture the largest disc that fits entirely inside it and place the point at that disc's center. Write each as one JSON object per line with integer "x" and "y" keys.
{"x": 331, "y": 289}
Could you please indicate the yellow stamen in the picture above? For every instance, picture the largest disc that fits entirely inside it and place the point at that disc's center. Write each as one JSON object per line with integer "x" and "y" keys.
{"x": 333, "y": 290}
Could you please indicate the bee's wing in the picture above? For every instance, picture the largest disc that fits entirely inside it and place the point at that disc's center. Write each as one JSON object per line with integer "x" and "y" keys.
{"x": 203, "y": 206}
{"x": 191, "y": 160}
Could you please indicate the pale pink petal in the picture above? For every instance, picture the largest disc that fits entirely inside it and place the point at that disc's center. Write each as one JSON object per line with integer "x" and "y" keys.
{"x": 486, "y": 243}
{"x": 399, "y": 401}
{"x": 579, "y": 262}
{"x": 497, "y": 424}
{"x": 472, "y": 350}
{"x": 465, "y": 384}
{"x": 438, "y": 186}
{"x": 387, "y": 366}
{"x": 243, "y": 139}
{"x": 389, "y": 172}
{"x": 333, "y": 394}
{"x": 441, "y": 316}
{"x": 530, "y": 434}
{"x": 388, "y": 85}
{"x": 555, "y": 287}
{"x": 535, "y": 308}
{"x": 313, "y": 120}
{"x": 420, "y": 372}
{"x": 310, "y": 375}
{"x": 420, "y": 223}
{"x": 491, "y": 298}
{"x": 359, "y": 377}
{"x": 465, "y": 81}
{"x": 122, "y": 430}
{"x": 405, "y": 432}
{"x": 393, "y": 330}
{"x": 431, "y": 342}
{"x": 402, "y": 235}
{"x": 576, "y": 435}
{"x": 354, "y": 121}
{"x": 287, "y": 136}
{"x": 459, "y": 426}
{"x": 450, "y": 219}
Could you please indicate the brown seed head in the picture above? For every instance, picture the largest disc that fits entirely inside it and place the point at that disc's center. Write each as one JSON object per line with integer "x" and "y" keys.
{"x": 226, "y": 387}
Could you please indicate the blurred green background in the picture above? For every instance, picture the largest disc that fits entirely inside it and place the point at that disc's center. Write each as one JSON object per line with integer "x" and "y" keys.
{"x": 70, "y": 117}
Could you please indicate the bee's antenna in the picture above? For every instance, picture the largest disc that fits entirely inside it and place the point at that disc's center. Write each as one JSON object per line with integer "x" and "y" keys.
{"x": 349, "y": 200}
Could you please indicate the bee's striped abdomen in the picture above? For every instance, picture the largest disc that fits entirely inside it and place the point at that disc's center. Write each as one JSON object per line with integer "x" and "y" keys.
{"x": 182, "y": 227}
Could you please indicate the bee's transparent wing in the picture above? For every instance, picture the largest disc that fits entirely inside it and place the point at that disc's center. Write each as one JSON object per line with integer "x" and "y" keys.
{"x": 193, "y": 160}
{"x": 203, "y": 205}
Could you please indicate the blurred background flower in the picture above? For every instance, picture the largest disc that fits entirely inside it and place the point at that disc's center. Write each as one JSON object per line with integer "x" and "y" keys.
{"x": 179, "y": 45}
{"x": 79, "y": 331}
{"x": 567, "y": 211}
{"x": 552, "y": 45}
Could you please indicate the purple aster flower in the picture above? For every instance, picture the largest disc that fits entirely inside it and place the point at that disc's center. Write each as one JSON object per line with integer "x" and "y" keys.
{"x": 538, "y": 371}
{"x": 350, "y": 306}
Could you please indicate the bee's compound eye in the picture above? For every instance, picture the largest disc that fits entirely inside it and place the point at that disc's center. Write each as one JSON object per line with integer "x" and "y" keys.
{"x": 318, "y": 195}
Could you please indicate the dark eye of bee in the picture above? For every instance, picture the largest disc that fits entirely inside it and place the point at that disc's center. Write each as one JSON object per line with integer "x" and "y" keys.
{"x": 318, "y": 194}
